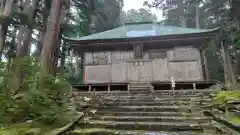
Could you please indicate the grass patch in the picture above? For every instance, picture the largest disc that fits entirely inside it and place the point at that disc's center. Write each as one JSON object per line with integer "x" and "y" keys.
{"x": 234, "y": 119}
{"x": 20, "y": 129}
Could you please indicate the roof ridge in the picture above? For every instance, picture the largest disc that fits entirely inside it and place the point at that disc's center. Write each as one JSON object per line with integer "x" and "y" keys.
{"x": 134, "y": 23}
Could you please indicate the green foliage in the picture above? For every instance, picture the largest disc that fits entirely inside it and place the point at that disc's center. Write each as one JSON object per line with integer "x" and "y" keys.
{"x": 40, "y": 97}
{"x": 225, "y": 97}
{"x": 74, "y": 78}
{"x": 93, "y": 16}
{"x": 234, "y": 119}
{"x": 72, "y": 75}
{"x": 215, "y": 62}
{"x": 140, "y": 15}
{"x": 212, "y": 14}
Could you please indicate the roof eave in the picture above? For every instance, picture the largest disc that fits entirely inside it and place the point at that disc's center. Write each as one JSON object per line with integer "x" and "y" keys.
{"x": 209, "y": 33}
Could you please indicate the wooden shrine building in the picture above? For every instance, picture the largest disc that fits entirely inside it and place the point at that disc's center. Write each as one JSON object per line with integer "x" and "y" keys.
{"x": 144, "y": 52}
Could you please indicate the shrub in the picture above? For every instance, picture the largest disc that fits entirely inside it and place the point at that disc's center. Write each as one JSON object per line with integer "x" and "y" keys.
{"x": 226, "y": 97}
{"x": 40, "y": 97}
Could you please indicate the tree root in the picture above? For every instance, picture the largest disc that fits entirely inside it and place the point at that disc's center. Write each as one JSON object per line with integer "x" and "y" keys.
{"x": 66, "y": 128}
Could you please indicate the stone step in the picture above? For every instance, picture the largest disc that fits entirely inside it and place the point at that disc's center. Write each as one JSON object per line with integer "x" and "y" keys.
{"x": 136, "y": 88}
{"x": 164, "y": 126}
{"x": 154, "y": 96}
{"x": 159, "y": 99}
{"x": 154, "y": 119}
{"x": 130, "y": 95}
{"x": 140, "y": 86}
{"x": 112, "y": 113}
{"x": 151, "y": 108}
{"x": 187, "y": 91}
{"x": 158, "y": 95}
{"x": 156, "y": 92}
{"x": 105, "y": 131}
{"x": 137, "y": 91}
{"x": 153, "y": 103}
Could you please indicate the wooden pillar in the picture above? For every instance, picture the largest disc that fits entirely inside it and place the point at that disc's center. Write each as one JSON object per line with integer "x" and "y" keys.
{"x": 194, "y": 86}
{"x": 89, "y": 88}
{"x": 109, "y": 88}
{"x": 138, "y": 51}
{"x": 82, "y": 57}
{"x": 71, "y": 88}
{"x": 230, "y": 78}
{"x": 173, "y": 83}
{"x": 204, "y": 66}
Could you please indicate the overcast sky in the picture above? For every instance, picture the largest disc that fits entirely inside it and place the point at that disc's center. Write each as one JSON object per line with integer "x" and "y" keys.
{"x": 136, "y": 4}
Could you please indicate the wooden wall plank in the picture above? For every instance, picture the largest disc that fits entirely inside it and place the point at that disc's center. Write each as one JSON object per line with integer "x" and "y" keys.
{"x": 180, "y": 63}
{"x": 145, "y": 71}
{"x": 98, "y": 74}
{"x": 132, "y": 71}
{"x": 183, "y": 54}
{"x": 122, "y": 56}
{"x": 109, "y": 57}
{"x": 185, "y": 71}
{"x": 88, "y": 58}
{"x": 194, "y": 71}
{"x": 119, "y": 72}
{"x": 170, "y": 54}
{"x": 186, "y": 53}
{"x": 160, "y": 70}
{"x": 145, "y": 55}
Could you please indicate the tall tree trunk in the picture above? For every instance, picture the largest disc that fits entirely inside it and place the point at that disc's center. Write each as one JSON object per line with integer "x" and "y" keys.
{"x": 197, "y": 16}
{"x": 63, "y": 20}
{"x": 48, "y": 57}
{"x": 235, "y": 4}
{"x": 58, "y": 51}
{"x": 12, "y": 49}
{"x": 230, "y": 78}
{"x": 39, "y": 45}
{"x": 45, "y": 14}
{"x": 5, "y": 15}
{"x": 22, "y": 50}
{"x": 30, "y": 8}
{"x": 204, "y": 65}
{"x": 238, "y": 66}
{"x": 3, "y": 31}
{"x": 63, "y": 56}
{"x": 23, "y": 41}
{"x": 183, "y": 20}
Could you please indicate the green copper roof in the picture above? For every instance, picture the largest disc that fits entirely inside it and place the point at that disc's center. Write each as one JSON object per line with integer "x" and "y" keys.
{"x": 142, "y": 30}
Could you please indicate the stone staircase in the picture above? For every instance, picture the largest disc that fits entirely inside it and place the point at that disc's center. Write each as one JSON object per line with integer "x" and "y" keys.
{"x": 140, "y": 87}
{"x": 158, "y": 113}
